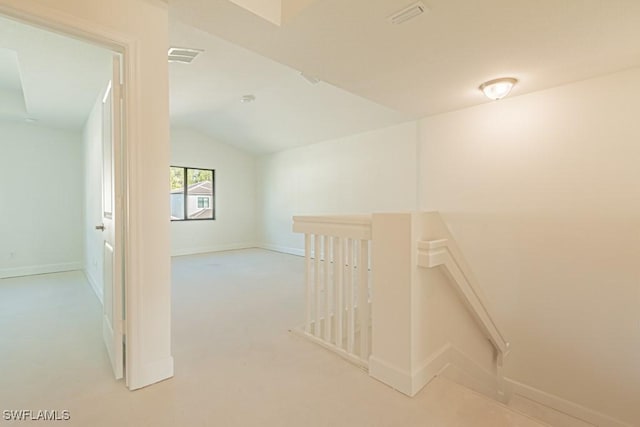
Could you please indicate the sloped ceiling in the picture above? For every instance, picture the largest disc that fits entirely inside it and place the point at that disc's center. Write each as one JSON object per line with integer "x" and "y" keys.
{"x": 275, "y": 11}
{"x": 288, "y": 111}
{"x": 49, "y": 77}
{"x": 435, "y": 62}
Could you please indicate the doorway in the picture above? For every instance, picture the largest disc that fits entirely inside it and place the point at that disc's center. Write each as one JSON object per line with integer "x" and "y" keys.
{"x": 61, "y": 117}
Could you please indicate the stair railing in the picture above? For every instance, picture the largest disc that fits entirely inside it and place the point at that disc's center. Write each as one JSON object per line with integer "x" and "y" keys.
{"x": 338, "y": 283}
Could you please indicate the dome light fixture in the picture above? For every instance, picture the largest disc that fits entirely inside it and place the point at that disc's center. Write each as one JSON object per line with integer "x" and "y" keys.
{"x": 246, "y": 99}
{"x": 498, "y": 88}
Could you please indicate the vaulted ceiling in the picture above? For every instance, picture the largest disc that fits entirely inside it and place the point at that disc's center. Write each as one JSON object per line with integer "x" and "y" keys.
{"x": 47, "y": 77}
{"x": 435, "y": 62}
{"x": 288, "y": 110}
{"x": 373, "y": 73}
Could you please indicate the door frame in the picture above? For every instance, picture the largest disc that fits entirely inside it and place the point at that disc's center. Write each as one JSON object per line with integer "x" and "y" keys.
{"x": 91, "y": 32}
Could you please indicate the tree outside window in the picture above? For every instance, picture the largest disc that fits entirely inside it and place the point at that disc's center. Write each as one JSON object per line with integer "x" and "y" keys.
{"x": 195, "y": 200}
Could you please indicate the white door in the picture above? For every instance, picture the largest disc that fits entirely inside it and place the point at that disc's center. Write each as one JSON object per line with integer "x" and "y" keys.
{"x": 113, "y": 311}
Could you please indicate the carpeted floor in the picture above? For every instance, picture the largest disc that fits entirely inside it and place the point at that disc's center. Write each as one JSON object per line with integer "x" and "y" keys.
{"x": 236, "y": 363}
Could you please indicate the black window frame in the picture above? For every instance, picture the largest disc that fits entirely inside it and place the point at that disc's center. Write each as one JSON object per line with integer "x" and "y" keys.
{"x": 185, "y": 193}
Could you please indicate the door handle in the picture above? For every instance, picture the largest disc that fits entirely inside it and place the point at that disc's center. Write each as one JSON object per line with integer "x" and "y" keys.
{"x": 100, "y": 227}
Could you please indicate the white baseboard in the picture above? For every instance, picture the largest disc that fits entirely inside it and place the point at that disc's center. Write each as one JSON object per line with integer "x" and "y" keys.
{"x": 460, "y": 368}
{"x": 39, "y": 269}
{"x": 237, "y": 246}
{"x": 451, "y": 363}
{"x": 392, "y": 376}
{"x": 151, "y": 373}
{"x": 283, "y": 249}
{"x": 300, "y": 332}
{"x": 431, "y": 367}
{"x": 97, "y": 289}
{"x": 565, "y": 406}
{"x": 410, "y": 383}
{"x": 213, "y": 248}
{"x": 463, "y": 370}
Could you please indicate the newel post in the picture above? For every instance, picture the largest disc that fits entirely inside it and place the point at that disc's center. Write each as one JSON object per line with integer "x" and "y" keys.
{"x": 395, "y": 276}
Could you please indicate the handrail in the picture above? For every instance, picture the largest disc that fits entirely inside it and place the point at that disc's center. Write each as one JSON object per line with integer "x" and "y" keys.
{"x": 434, "y": 253}
{"x": 346, "y": 226}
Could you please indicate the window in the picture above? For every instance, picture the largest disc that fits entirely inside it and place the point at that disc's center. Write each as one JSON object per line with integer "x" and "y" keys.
{"x": 192, "y": 194}
{"x": 203, "y": 202}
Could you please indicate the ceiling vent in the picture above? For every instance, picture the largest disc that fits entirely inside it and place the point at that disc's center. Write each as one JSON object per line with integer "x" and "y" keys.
{"x": 183, "y": 55}
{"x": 409, "y": 12}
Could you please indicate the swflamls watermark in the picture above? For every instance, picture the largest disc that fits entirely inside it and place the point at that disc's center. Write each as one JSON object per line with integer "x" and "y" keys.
{"x": 36, "y": 415}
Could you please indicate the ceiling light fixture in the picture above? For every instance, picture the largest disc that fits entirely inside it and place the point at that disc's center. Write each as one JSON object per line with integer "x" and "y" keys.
{"x": 247, "y": 99}
{"x": 183, "y": 55}
{"x": 498, "y": 88}
{"x": 409, "y": 12}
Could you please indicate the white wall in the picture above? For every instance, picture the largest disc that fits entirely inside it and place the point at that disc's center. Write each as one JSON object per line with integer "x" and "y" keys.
{"x": 145, "y": 24}
{"x": 40, "y": 199}
{"x": 92, "y": 189}
{"x": 364, "y": 173}
{"x": 542, "y": 192}
{"x": 420, "y": 327}
{"x": 235, "y": 195}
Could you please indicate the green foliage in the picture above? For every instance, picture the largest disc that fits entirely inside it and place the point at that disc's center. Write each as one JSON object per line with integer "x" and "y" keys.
{"x": 198, "y": 175}
{"x": 176, "y": 177}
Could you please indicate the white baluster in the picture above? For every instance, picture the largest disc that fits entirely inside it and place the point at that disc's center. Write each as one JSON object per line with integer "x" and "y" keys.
{"x": 327, "y": 289}
{"x": 350, "y": 308}
{"x": 316, "y": 282}
{"x": 363, "y": 299}
{"x": 338, "y": 270}
{"x": 308, "y": 282}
